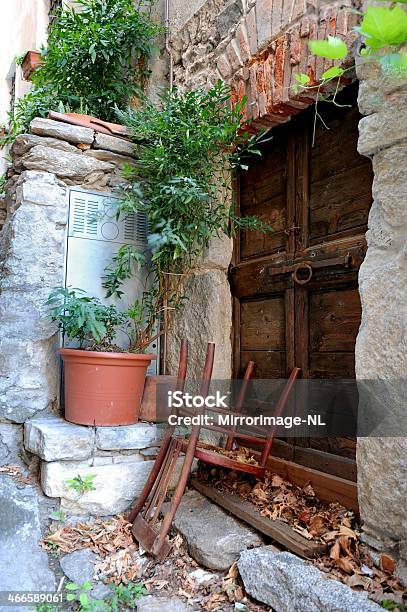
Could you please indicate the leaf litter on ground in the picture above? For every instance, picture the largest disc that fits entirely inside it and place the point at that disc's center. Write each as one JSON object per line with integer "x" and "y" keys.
{"x": 122, "y": 561}
{"x": 274, "y": 497}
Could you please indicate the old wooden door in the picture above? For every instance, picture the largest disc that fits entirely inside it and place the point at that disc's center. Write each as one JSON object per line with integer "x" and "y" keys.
{"x": 296, "y": 299}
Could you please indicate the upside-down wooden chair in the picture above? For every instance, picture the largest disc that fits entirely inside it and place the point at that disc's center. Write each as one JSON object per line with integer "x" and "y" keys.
{"x": 145, "y": 514}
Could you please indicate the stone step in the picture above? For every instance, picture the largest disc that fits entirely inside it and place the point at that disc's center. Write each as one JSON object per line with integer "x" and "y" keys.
{"x": 54, "y": 439}
{"x": 215, "y": 539}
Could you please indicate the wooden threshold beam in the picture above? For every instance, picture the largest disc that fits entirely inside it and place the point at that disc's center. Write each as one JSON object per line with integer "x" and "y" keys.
{"x": 327, "y": 487}
{"x": 278, "y": 530}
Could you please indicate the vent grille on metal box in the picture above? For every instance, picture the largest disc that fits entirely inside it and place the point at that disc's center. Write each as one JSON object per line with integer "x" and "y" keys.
{"x": 93, "y": 216}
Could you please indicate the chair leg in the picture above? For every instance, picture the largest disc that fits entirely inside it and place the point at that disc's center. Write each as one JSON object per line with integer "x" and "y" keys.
{"x": 182, "y": 371}
{"x": 161, "y": 541}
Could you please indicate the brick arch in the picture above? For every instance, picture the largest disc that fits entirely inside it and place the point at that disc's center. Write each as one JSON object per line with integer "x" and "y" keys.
{"x": 263, "y": 69}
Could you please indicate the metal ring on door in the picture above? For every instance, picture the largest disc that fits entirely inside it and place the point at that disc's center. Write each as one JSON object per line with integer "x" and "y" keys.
{"x": 302, "y": 266}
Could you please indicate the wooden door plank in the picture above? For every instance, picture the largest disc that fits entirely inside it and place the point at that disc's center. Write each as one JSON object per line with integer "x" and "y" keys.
{"x": 263, "y": 324}
{"x": 280, "y": 531}
{"x": 302, "y": 186}
{"x": 289, "y": 331}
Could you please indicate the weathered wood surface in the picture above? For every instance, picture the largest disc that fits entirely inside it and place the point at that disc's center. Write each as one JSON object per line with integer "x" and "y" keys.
{"x": 327, "y": 487}
{"x": 278, "y": 530}
{"x": 318, "y": 197}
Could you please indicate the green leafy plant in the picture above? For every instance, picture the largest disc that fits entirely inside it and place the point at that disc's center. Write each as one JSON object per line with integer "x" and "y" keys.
{"x": 389, "y": 604}
{"x": 46, "y": 607}
{"x": 82, "y": 484}
{"x": 58, "y": 515}
{"x": 95, "y": 325}
{"x": 125, "y": 596}
{"x": 188, "y": 147}
{"x": 84, "y": 318}
{"x": 79, "y": 593}
{"x": 3, "y": 181}
{"x": 96, "y": 59}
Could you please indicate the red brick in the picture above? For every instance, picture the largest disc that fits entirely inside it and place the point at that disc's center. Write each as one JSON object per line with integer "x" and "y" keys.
{"x": 269, "y": 75}
{"x": 268, "y": 68}
{"x": 263, "y": 21}
{"x": 342, "y": 23}
{"x": 224, "y": 67}
{"x": 322, "y": 33}
{"x": 254, "y": 106}
{"x": 236, "y": 49}
{"x": 251, "y": 28}
{"x": 243, "y": 42}
{"x": 300, "y": 8}
{"x": 276, "y": 15}
{"x": 233, "y": 58}
{"x": 295, "y": 46}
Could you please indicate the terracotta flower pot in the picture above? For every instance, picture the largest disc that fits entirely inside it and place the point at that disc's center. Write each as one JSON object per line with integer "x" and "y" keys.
{"x": 103, "y": 388}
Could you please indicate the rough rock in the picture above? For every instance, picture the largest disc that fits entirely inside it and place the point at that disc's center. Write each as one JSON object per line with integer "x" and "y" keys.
{"x": 54, "y": 438}
{"x": 24, "y": 142}
{"x": 206, "y": 317}
{"x": 140, "y": 435}
{"x": 116, "y": 485}
{"x": 23, "y": 563}
{"x": 11, "y": 442}
{"x": 63, "y": 131}
{"x": 381, "y": 130}
{"x": 380, "y": 347}
{"x": 112, "y": 143}
{"x": 32, "y": 260}
{"x": 152, "y": 603}
{"x": 219, "y": 253}
{"x": 218, "y": 547}
{"x": 64, "y": 164}
{"x": 228, "y": 18}
{"x": 79, "y": 566}
{"x": 201, "y": 577}
{"x": 286, "y": 582}
{"x": 109, "y": 156}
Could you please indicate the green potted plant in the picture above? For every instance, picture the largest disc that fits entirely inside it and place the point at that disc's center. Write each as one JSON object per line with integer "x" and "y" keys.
{"x": 103, "y": 382}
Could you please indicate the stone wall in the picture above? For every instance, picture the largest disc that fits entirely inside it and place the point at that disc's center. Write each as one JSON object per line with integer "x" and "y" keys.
{"x": 32, "y": 251}
{"x": 382, "y": 340}
{"x": 259, "y": 46}
{"x": 119, "y": 458}
{"x": 52, "y": 157}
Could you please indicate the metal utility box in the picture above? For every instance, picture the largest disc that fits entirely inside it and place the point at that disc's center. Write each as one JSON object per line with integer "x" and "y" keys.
{"x": 94, "y": 237}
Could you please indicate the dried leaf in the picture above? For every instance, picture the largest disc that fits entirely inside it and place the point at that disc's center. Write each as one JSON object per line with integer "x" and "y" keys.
{"x": 276, "y": 480}
{"x": 317, "y": 526}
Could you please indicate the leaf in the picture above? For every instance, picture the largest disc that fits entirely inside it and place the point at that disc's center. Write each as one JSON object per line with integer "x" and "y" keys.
{"x": 333, "y": 72}
{"x": 276, "y": 480}
{"x": 303, "y": 79}
{"x": 71, "y": 586}
{"x": 317, "y": 526}
{"x": 333, "y": 48}
{"x": 384, "y": 26}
